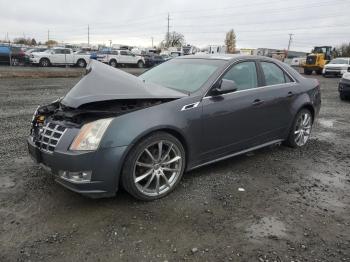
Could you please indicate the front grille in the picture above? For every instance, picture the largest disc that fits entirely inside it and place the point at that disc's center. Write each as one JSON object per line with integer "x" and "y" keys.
{"x": 49, "y": 137}
{"x": 311, "y": 60}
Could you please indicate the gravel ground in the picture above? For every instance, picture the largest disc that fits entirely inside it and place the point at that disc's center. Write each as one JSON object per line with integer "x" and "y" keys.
{"x": 295, "y": 207}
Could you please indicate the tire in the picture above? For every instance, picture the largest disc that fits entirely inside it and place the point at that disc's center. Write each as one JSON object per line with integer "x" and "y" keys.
{"x": 143, "y": 171}
{"x": 307, "y": 71}
{"x": 319, "y": 72}
{"x": 304, "y": 130}
{"x": 81, "y": 63}
{"x": 342, "y": 96}
{"x": 140, "y": 64}
{"x": 113, "y": 63}
{"x": 44, "y": 62}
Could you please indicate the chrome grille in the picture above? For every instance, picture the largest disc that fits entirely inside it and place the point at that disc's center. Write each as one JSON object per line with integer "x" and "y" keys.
{"x": 49, "y": 136}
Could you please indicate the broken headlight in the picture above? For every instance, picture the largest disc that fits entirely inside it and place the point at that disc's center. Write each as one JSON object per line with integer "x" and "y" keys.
{"x": 90, "y": 135}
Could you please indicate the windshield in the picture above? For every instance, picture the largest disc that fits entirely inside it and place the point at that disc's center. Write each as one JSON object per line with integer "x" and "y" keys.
{"x": 186, "y": 75}
{"x": 339, "y": 61}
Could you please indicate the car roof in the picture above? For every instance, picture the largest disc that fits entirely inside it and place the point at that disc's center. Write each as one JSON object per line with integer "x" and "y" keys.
{"x": 226, "y": 57}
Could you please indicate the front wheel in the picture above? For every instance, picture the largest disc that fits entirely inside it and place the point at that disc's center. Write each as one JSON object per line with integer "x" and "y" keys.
{"x": 307, "y": 71}
{"x": 342, "y": 96}
{"x": 301, "y": 129}
{"x": 44, "y": 62}
{"x": 113, "y": 63}
{"x": 154, "y": 167}
{"x": 140, "y": 64}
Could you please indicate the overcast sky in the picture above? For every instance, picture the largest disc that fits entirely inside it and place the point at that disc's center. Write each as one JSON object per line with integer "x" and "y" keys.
{"x": 257, "y": 23}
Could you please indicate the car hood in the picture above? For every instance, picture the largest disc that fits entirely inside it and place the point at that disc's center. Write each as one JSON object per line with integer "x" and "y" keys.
{"x": 336, "y": 66}
{"x": 104, "y": 83}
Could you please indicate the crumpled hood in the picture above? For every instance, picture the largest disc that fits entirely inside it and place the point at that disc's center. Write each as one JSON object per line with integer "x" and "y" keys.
{"x": 104, "y": 82}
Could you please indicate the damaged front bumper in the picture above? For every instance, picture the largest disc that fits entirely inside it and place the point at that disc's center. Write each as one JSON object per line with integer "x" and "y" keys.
{"x": 103, "y": 166}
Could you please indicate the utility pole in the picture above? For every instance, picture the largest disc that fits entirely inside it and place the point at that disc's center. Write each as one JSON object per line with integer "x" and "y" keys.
{"x": 167, "y": 36}
{"x": 152, "y": 41}
{"x": 88, "y": 35}
{"x": 289, "y": 42}
{"x": 48, "y": 35}
{"x": 110, "y": 43}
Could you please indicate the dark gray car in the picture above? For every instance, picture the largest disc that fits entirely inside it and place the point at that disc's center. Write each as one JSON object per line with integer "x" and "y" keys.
{"x": 143, "y": 133}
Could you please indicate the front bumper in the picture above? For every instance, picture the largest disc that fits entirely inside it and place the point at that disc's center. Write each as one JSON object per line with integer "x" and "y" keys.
{"x": 334, "y": 72}
{"x": 105, "y": 164}
{"x": 344, "y": 87}
{"x": 34, "y": 60}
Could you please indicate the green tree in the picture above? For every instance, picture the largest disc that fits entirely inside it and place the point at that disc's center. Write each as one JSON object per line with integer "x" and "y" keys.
{"x": 230, "y": 42}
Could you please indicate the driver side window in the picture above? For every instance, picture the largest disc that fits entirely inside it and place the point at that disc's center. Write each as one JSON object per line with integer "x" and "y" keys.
{"x": 244, "y": 75}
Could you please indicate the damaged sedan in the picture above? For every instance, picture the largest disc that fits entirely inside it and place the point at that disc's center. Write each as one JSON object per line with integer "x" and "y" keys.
{"x": 114, "y": 129}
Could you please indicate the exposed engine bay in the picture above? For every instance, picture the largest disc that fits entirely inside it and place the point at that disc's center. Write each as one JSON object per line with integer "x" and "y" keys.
{"x": 76, "y": 117}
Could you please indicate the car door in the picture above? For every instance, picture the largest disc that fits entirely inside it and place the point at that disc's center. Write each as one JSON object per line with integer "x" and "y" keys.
{"x": 57, "y": 56}
{"x": 230, "y": 121}
{"x": 276, "y": 98}
{"x": 68, "y": 56}
{"x": 124, "y": 57}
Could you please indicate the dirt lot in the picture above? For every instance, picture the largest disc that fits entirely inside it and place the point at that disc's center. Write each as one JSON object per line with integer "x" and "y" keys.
{"x": 295, "y": 207}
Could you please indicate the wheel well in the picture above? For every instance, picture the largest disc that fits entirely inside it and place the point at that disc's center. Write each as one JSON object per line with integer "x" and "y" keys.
{"x": 81, "y": 59}
{"x": 44, "y": 58}
{"x": 113, "y": 59}
{"x": 170, "y": 131}
{"x": 310, "y": 108}
{"x": 140, "y": 61}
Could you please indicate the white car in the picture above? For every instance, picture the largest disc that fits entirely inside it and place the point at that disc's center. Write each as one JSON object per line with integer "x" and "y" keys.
{"x": 125, "y": 57}
{"x": 59, "y": 56}
{"x": 337, "y": 67}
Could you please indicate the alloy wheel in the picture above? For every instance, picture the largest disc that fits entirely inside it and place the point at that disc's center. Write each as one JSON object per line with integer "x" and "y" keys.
{"x": 303, "y": 129}
{"x": 157, "y": 168}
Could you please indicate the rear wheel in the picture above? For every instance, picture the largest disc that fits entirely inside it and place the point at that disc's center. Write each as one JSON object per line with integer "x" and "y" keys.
{"x": 301, "y": 129}
{"x": 113, "y": 63}
{"x": 44, "y": 62}
{"x": 154, "y": 166}
{"x": 307, "y": 71}
{"x": 81, "y": 63}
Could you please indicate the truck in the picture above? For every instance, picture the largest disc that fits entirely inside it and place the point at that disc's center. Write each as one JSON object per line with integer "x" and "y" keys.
{"x": 59, "y": 56}
{"x": 317, "y": 59}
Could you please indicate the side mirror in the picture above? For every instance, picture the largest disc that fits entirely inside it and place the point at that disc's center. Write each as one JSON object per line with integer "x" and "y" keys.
{"x": 225, "y": 86}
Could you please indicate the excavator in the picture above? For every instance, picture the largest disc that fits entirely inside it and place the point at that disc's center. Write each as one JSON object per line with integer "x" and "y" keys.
{"x": 315, "y": 61}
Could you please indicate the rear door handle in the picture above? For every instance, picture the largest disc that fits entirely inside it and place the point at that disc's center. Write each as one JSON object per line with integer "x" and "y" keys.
{"x": 257, "y": 102}
{"x": 290, "y": 93}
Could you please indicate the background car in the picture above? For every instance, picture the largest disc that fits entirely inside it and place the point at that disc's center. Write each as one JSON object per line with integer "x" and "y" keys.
{"x": 344, "y": 86}
{"x": 337, "y": 67}
{"x": 59, "y": 56}
{"x": 11, "y": 55}
{"x": 152, "y": 59}
{"x": 119, "y": 57}
{"x": 145, "y": 132}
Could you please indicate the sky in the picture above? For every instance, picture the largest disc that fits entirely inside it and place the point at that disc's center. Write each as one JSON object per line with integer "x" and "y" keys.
{"x": 257, "y": 23}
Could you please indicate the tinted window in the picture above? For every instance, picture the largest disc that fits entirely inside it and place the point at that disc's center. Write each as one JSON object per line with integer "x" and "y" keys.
{"x": 273, "y": 74}
{"x": 244, "y": 75}
{"x": 123, "y": 53}
{"x": 66, "y": 51}
{"x": 59, "y": 51}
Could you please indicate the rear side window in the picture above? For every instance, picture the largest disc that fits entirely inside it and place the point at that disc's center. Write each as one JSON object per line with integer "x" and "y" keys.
{"x": 123, "y": 53}
{"x": 244, "y": 75}
{"x": 274, "y": 75}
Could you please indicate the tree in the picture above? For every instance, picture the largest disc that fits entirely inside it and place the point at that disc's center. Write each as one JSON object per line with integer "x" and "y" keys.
{"x": 33, "y": 42}
{"x": 230, "y": 42}
{"x": 51, "y": 43}
{"x": 342, "y": 50}
{"x": 174, "y": 39}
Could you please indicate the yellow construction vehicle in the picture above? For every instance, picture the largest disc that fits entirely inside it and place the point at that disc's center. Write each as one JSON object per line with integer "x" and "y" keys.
{"x": 315, "y": 61}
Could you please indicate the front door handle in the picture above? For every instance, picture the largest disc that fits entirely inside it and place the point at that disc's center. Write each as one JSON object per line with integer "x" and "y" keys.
{"x": 258, "y": 102}
{"x": 290, "y": 94}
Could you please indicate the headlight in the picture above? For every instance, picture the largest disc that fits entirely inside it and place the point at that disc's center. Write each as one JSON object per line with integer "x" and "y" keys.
{"x": 90, "y": 135}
